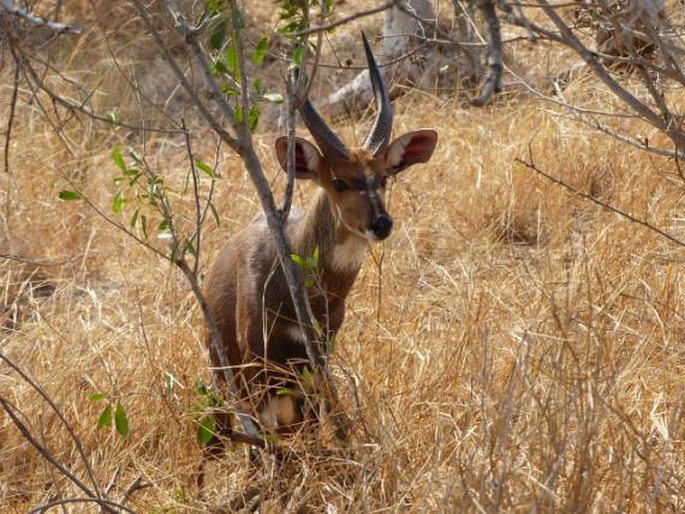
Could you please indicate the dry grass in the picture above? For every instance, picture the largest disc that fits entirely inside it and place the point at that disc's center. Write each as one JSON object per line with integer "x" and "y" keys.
{"x": 525, "y": 351}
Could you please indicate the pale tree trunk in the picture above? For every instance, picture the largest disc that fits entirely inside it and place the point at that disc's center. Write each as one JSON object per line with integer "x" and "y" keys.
{"x": 400, "y": 32}
{"x": 414, "y": 57}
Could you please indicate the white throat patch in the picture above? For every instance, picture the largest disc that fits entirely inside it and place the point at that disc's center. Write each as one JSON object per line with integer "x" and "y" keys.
{"x": 349, "y": 255}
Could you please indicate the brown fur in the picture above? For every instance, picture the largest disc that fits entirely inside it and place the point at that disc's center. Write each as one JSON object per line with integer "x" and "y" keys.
{"x": 246, "y": 290}
{"x": 252, "y": 285}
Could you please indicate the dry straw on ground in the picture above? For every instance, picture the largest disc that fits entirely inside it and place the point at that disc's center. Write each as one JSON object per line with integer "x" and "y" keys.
{"x": 524, "y": 350}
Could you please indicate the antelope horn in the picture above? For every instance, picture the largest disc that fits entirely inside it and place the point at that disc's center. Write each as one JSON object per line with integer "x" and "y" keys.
{"x": 329, "y": 143}
{"x": 379, "y": 135}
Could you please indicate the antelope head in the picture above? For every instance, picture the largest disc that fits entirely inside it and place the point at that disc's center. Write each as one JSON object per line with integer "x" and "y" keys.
{"x": 355, "y": 179}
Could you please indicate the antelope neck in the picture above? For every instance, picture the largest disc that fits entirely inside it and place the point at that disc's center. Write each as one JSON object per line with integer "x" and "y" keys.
{"x": 341, "y": 251}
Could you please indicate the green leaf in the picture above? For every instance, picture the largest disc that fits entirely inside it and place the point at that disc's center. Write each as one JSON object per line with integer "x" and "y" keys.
{"x": 119, "y": 159}
{"x": 134, "y": 175}
{"x": 134, "y": 218}
{"x": 205, "y": 167}
{"x": 258, "y": 86}
{"x": 143, "y": 225}
{"x": 228, "y": 89}
{"x": 238, "y": 115}
{"x": 105, "y": 419}
{"x": 260, "y": 50}
{"x": 69, "y": 196}
{"x": 214, "y": 6}
{"x": 232, "y": 61}
{"x": 206, "y": 430}
{"x": 307, "y": 375}
{"x": 283, "y": 391}
{"x": 96, "y": 397}
{"x": 297, "y": 259}
{"x": 312, "y": 262}
{"x": 202, "y": 389}
{"x": 298, "y": 54}
{"x": 253, "y": 118}
{"x": 190, "y": 248}
{"x": 219, "y": 66}
{"x": 238, "y": 18}
{"x": 118, "y": 202}
{"x": 121, "y": 420}
{"x": 218, "y": 35}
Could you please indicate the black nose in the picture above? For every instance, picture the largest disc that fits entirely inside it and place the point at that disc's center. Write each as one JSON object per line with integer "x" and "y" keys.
{"x": 382, "y": 226}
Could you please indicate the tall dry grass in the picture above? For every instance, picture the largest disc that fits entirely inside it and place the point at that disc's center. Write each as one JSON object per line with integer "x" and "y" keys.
{"x": 512, "y": 347}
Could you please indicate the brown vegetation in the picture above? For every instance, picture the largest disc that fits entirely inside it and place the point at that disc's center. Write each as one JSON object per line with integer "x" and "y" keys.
{"x": 511, "y": 347}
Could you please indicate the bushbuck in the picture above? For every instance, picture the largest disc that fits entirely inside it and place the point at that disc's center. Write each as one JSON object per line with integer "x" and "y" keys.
{"x": 246, "y": 290}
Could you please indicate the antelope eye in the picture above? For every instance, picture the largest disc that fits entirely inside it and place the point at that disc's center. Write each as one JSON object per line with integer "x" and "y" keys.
{"x": 339, "y": 185}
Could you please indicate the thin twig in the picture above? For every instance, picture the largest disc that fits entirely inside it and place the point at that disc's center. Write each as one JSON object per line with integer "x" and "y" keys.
{"x": 112, "y": 481}
{"x": 209, "y": 117}
{"x": 26, "y": 433}
{"x": 531, "y": 165}
{"x": 644, "y": 111}
{"x": 212, "y": 184}
{"x": 292, "y": 273}
{"x": 134, "y": 486}
{"x": 10, "y": 118}
{"x": 346, "y": 19}
{"x": 493, "y": 80}
{"x": 197, "y": 236}
{"x": 314, "y": 347}
{"x": 191, "y": 37}
{"x": 110, "y": 506}
{"x": 56, "y": 410}
{"x": 292, "y": 80}
{"x": 24, "y": 260}
{"x": 631, "y": 141}
{"x": 60, "y": 28}
{"x": 80, "y": 106}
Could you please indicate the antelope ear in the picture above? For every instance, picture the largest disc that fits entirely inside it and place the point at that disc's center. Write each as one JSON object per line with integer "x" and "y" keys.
{"x": 307, "y": 157}
{"x": 411, "y": 148}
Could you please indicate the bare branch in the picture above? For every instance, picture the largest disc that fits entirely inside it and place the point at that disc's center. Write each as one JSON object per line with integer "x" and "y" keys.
{"x": 10, "y": 118}
{"x": 346, "y": 19}
{"x": 531, "y": 165}
{"x": 213, "y": 122}
{"x": 61, "y": 28}
{"x": 26, "y": 433}
{"x": 134, "y": 486}
{"x": 493, "y": 81}
{"x": 568, "y": 38}
{"x": 292, "y": 274}
{"x": 292, "y": 81}
{"x": 80, "y": 106}
{"x": 642, "y": 145}
{"x": 107, "y": 505}
{"x": 56, "y": 410}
